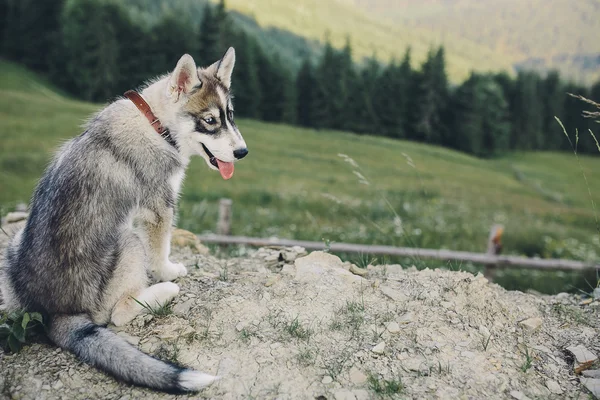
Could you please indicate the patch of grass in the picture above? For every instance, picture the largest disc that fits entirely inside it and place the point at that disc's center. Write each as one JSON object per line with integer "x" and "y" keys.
{"x": 247, "y": 333}
{"x": 528, "y": 360}
{"x": 224, "y": 274}
{"x": 18, "y": 328}
{"x": 485, "y": 341}
{"x": 158, "y": 310}
{"x": 571, "y": 314}
{"x": 384, "y": 386}
{"x": 350, "y": 316}
{"x": 297, "y": 330}
{"x": 307, "y": 356}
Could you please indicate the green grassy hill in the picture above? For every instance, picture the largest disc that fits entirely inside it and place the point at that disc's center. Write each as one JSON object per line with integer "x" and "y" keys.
{"x": 316, "y": 19}
{"x": 538, "y": 33}
{"x": 295, "y": 184}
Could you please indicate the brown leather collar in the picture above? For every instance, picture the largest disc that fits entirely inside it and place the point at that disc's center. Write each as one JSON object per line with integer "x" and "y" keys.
{"x": 144, "y": 107}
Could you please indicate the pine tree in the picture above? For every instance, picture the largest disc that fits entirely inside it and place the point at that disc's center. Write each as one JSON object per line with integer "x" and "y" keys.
{"x": 327, "y": 85}
{"x": 305, "y": 90}
{"x": 431, "y": 97}
{"x": 245, "y": 83}
{"x": 92, "y": 49}
{"x": 362, "y": 107}
{"x": 552, "y": 96}
{"x": 214, "y": 28}
{"x": 480, "y": 117}
{"x": 30, "y": 31}
{"x": 171, "y": 38}
{"x": 527, "y": 113}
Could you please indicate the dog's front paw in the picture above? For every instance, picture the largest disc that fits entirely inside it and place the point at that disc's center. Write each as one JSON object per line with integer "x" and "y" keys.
{"x": 172, "y": 271}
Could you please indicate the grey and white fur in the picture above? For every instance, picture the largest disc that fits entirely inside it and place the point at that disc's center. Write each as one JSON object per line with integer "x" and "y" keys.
{"x": 101, "y": 218}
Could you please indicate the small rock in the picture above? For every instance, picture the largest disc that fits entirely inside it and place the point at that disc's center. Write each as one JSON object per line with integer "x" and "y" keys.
{"x": 393, "y": 294}
{"x": 379, "y": 349}
{"x": 361, "y": 394}
{"x": 57, "y": 385}
{"x": 15, "y": 216}
{"x": 327, "y": 380}
{"x": 586, "y": 302}
{"x": 356, "y": 376}
{"x": 182, "y": 309}
{"x": 518, "y": 395}
{"x": 596, "y": 293}
{"x": 392, "y": 327}
{"x": 45, "y": 387}
{"x": 562, "y": 296}
{"x": 584, "y": 358}
{"x": 406, "y": 318}
{"x": 183, "y": 238}
{"x": 592, "y": 373}
{"x": 358, "y": 271}
{"x": 272, "y": 280}
{"x": 531, "y": 324}
{"x": 593, "y": 385}
{"x": 344, "y": 394}
{"x": 240, "y": 326}
{"x": 553, "y": 387}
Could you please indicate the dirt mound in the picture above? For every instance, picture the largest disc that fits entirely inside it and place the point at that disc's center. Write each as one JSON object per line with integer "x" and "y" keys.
{"x": 279, "y": 324}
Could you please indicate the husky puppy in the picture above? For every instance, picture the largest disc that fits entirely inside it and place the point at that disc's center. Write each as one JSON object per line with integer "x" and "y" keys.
{"x": 101, "y": 218}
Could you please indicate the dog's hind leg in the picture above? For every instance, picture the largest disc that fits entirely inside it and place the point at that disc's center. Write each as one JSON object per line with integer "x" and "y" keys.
{"x": 147, "y": 299}
{"x": 129, "y": 283}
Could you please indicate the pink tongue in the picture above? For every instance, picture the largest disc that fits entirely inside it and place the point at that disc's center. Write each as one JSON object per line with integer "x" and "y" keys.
{"x": 225, "y": 168}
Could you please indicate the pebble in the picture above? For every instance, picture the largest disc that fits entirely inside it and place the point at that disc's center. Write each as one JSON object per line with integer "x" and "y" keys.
{"x": 593, "y": 385}
{"x": 406, "y": 318}
{"x": 379, "y": 349}
{"x": 392, "y": 327}
{"x": 554, "y": 387}
{"x": 531, "y": 324}
{"x": 57, "y": 385}
{"x": 562, "y": 296}
{"x": 583, "y": 357}
{"x": 518, "y": 395}
{"x": 183, "y": 309}
{"x": 272, "y": 280}
{"x": 393, "y": 294}
{"x": 358, "y": 271}
{"x": 327, "y": 380}
{"x": 593, "y": 373}
{"x": 357, "y": 376}
{"x": 344, "y": 394}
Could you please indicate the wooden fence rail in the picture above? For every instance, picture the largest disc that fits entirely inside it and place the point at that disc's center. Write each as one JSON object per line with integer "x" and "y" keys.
{"x": 443, "y": 255}
{"x": 491, "y": 259}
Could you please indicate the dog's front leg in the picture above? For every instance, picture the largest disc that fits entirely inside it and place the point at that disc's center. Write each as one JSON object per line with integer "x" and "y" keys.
{"x": 158, "y": 229}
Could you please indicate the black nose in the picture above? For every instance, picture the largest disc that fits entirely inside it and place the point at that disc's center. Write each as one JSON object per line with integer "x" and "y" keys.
{"x": 240, "y": 153}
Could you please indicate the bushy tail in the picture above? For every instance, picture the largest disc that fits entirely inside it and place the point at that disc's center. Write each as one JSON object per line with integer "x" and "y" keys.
{"x": 105, "y": 350}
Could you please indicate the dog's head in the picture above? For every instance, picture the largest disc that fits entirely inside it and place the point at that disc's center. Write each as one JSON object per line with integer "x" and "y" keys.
{"x": 205, "y": 112}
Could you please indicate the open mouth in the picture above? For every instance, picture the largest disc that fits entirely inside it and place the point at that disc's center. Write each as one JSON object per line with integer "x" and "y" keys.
{"x": 225, "y": 168}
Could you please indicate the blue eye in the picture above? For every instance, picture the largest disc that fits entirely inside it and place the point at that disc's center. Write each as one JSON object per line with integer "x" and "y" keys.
{"x": 210, "y": 120}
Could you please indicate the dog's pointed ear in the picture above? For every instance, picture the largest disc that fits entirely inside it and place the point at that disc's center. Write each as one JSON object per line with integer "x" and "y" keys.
{"x": 183, "y": 78}
{"x": 223, "y": 68}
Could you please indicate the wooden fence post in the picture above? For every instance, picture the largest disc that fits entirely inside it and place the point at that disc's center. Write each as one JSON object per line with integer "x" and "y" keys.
{"x": 224, "y": 222}
{"x": 493, "y": 248}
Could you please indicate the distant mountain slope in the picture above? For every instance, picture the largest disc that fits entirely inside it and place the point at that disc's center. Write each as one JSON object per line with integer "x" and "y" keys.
{"x": 542, "y": 33}
{"x": 369, "y": 34}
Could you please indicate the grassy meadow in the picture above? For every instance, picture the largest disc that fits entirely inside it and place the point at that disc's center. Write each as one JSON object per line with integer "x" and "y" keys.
{"x": 336, "y": 186}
